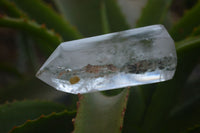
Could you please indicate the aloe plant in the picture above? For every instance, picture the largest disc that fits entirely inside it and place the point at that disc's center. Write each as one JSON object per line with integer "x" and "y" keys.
{"x": 39, "y": 28}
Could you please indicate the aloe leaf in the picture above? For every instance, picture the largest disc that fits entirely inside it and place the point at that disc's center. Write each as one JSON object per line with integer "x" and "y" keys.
{"x": 6, "y": 67}
{"x": 36, "y": 90}
{"x": 32, "y": 28}
{"x": 19, "y": 91}
{"x": 27, "y": 59}
{"x": 196, "y": 31}
{"x": 166, "y": 93}
{"x": 184, "y": 116}
{"x": 135, "y": 111}
{"x": 194, "y": 129}
{"x": 186, "y": 24}
{"x": 13, "y": 114}
{"x": 154, "y": 12}
{"x": 104, "y": 18}
{"x": 101, "y": 114}
{"x": 46, "y": 15}
{"x": 138, "y": 102}
{"x": 116, "y": 19}
{"x": 187, "y": 112}
{"x": 11, "y": 9}
{"x": 86, "y": 15}
{"x": 53, "y": 123}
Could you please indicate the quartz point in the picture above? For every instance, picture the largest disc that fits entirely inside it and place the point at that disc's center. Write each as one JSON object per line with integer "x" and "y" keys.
{"x": 116, "y": 60}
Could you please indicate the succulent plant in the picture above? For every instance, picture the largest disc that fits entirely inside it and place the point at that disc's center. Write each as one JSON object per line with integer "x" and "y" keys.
{"x": 39, "y": 28}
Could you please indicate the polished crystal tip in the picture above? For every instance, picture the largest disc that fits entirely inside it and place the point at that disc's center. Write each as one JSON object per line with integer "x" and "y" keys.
{"x": 127, "y": 58}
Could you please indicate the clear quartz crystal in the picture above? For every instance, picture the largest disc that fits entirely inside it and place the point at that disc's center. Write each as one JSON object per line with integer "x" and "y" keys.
{"x": 128, "y": 58}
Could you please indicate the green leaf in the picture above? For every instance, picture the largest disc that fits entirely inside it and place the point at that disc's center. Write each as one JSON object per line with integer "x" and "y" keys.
{"x": 154, "y": 12}
{"x": 186, "y": 24}
{"x": 105, "y": 23}
{"x": 98, "y": 113}
{"x": 196, "y": 31}
{"x": 87, "y": 15}
{"x": 112, "y": 92}
{"x": 31, "y": 28}
{"x": 135, "y": 111}
{"x": 8, "y": 68}
{"x": 27, "y": 59}
{"x": 33, "y": 88}
{"x": 11, "y": 9}
{"x": 184, "y": 116}
{"x": 46, "y": 15}
{"x": 165, "y": 96}
{"x": 53, "y": 123}
{"x": 115, "y": 17}
{"x": 14, "y": 114}
{"x": 194, "y": 129}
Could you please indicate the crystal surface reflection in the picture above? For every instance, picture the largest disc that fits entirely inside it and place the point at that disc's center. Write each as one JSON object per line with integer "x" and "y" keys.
{"x": 128, "y": 58}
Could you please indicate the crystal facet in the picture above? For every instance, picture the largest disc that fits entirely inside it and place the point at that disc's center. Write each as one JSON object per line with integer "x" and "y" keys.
{"x": 128, "y": 58}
